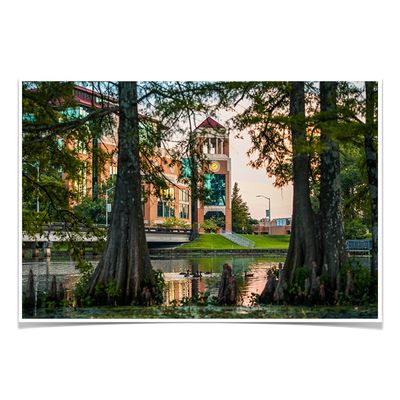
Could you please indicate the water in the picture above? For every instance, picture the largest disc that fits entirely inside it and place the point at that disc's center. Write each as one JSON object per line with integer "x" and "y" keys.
{"x": 44, "y": 269}
{"x": 177, "y": 286}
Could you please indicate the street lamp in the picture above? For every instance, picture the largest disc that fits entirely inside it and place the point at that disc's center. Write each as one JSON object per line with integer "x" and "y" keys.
{"x": 269, "y": 211}
{"x": 107, "y": 204}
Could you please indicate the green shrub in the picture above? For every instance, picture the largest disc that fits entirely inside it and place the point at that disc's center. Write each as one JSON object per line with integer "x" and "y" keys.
{"x": 300, "y": 275}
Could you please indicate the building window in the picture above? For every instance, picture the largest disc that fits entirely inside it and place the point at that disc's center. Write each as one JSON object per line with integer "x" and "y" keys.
{"x": 184, "y": 195}
{"x": 167, "y": 194}
{"x": 113, "y": 171}
{"x": 282, "y": 222}
{"x": 80, "y": 147}
{"x": 160, "y": 209}
{"x": 184, "y": 211}
{"x": 215, "y": 184}
{"x": 186, "y": 167}
{"x": 165, "y": 209}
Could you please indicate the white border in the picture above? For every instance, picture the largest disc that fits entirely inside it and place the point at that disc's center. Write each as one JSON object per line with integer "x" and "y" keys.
{"x": 378, "y": 325}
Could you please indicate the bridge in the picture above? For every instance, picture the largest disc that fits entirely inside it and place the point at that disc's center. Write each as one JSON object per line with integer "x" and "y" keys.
{"x": 156, "y": 237}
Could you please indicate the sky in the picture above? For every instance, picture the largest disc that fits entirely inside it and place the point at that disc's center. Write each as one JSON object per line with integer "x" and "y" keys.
{"x": 254, "y": 182}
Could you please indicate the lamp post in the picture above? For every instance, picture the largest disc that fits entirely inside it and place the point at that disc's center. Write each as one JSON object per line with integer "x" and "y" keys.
{"x": 269, "y": 211}
{"x": 107, "y": 204}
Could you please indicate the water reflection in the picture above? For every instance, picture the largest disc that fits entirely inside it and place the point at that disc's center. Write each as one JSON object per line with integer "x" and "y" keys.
{"x": 177, "y": 285}
{"x": 44, "y": 269}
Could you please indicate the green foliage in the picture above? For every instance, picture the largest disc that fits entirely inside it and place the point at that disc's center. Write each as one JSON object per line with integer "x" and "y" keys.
{"x": 361, "y": 277}
{"x": 355, "y": 193}
{"x": 325, "y": 279}
{"x": 265, "y": 117}
{"x": 93, "y": 207}
{"x": 65, "y": 303}
{"x": 51, "y": 130}
{"x": 254, "y": 299}
{"x": 213, "y": 224}
{"x": 51, "y": 304}
{"x": 201, "y": 299}
{"x": 274, "y": 269}
{"x": 86, "y": 269}
{"x": 100, "y": 288}
{"x": 112, "y": 289}
{"x": 87, "y": 301}
{"x": 300, "y": 275}
{"x": 160, "y": 285}
{"x": 174, "y": 222}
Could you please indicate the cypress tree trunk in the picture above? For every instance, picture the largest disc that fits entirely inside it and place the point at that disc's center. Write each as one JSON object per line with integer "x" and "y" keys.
{"x": 316, "y": 242}
{"x": 126, "y": 258}
{"x": 303, "y": 239}
{"x": 372, "y": 168}
{"x": 333, "y": 244}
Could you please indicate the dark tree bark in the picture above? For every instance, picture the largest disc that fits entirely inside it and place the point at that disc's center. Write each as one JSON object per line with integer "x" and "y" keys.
{"x": 267, "y": 295}
{"x": 316, "y": 242}
{"x": 52, "y": 295}
{"x": 227, "y": 287}
{"x": 333, "y": 244}
{"x": 372, "y": 168}
{"x": 303, "y": 239}
{"x": 126, "y": 259}
{"x": 30, "y": 293}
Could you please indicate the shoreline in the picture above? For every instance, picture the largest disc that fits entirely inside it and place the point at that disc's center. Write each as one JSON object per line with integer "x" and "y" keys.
{"x": 186, "y": 252}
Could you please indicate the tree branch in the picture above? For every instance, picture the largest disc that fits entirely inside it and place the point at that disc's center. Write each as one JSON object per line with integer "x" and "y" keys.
{"x": 66, "y": 126}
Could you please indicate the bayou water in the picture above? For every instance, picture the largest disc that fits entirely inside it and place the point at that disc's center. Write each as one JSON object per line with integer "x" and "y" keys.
{"x": 179, "y": 287}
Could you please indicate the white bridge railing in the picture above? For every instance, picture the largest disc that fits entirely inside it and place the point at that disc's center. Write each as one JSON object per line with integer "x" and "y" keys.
{"x": 237, "y": 239}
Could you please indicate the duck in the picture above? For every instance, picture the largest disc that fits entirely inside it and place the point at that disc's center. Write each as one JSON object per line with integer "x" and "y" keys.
{"x": 246, "y": 275}
{"x": 197, "y": 274}
{"x": 208, "y": 272}
{"x": 187, "y": 275}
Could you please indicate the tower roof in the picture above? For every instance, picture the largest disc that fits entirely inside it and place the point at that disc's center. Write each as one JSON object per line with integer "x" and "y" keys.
{"x": 210, "y": 123}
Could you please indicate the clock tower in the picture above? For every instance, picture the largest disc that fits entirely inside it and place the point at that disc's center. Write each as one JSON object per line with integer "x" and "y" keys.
{"x": 214, "y": 142}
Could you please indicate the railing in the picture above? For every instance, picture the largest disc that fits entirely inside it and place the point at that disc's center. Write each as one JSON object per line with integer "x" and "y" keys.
{"x": 57, "y": 226}
{"x": 164, "y": 229}
{"x": 237, "y": 239}
{"x": 359, "y": 245}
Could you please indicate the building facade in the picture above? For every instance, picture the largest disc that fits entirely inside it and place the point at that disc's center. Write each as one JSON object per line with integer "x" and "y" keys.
{"x": 176, "y": 200}
{"x": 215, "y": 144}
{"x": 279, "y": 226}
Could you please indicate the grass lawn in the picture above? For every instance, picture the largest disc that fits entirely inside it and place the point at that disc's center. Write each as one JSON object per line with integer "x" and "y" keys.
{"x": 210, "y": 241}
{"x": 267, "y": 241}
{"x": 214, "y": 241}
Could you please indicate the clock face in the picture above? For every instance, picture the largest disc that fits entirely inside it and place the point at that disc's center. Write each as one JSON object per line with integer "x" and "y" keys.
{"x": 215, "y": 166}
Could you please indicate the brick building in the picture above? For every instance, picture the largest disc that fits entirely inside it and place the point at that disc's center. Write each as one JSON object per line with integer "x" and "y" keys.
{"x": 279, "y": 226}
{"x": 176, "y": 201}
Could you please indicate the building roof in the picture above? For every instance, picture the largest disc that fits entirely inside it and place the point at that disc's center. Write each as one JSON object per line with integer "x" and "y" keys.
{"x": 210, "y": 123}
